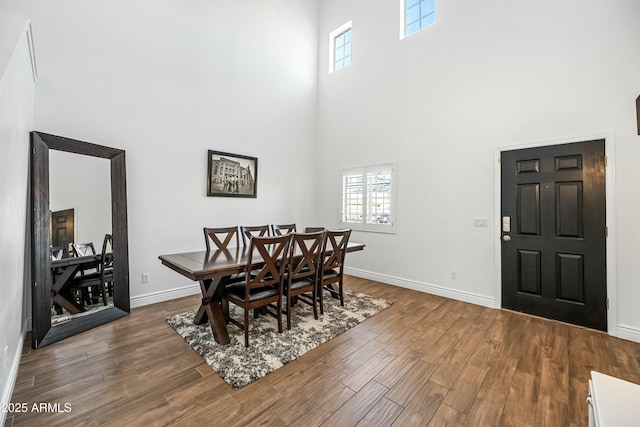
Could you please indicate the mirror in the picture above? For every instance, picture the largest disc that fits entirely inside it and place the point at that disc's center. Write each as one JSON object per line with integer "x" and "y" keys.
{"x": 80, "y": 205}
{"x": 46, "y": 300}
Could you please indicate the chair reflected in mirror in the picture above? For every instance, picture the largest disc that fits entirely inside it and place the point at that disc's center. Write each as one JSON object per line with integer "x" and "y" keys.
{"x": 90, "y": 286}
{"x": 83, "y": 249}
{"x": 57, "y": 253}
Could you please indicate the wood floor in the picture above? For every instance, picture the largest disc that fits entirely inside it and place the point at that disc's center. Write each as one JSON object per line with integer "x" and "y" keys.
{"x": 426, "y": 360}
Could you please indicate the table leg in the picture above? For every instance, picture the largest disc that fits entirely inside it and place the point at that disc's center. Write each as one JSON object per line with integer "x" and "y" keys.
{"x": 63, "y": 298}
{"x": 211, "y": 309}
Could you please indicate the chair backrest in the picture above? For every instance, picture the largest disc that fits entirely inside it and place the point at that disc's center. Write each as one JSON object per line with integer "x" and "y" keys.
{"x": 106, "y": 262}
{"x": 334, "y": 248}
{"x": 83, "y": 249}
{"x": 279, "y": 230}
{"x": 274, "y": 251}
{"x": 309, "y": 245}
{"x": 57, "y": 253}
{"x": 253, "y": 231}
{"x": 313, "y": 229}
{"x": 222, "y": 237}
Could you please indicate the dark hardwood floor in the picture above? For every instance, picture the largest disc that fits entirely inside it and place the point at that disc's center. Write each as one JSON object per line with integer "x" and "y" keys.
{"x": 426, "y": 360}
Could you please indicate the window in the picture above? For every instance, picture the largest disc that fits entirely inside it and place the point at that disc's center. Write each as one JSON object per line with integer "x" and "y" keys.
{"x": 340, "y": 47}
{"x": 368, "y": 198}
{"x": 416, "y": 15}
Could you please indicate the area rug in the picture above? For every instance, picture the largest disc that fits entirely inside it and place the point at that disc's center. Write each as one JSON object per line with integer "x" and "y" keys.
{"x": 268, "y": 350}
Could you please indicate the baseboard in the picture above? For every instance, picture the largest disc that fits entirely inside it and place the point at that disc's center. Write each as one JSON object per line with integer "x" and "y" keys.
{"x": 7, "y": 392}
{"x": 629, "y": 333}
{"x": 161, "y": 296}
{"x": 424, "y": 287}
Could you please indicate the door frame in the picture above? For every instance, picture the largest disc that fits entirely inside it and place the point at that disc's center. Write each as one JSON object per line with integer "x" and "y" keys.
{"x": 611, "y": 241}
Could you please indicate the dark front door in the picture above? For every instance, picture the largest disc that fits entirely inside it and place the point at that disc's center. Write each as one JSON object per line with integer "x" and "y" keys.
{"x": 553, "y": 232}
{"x": 62, "y": 224}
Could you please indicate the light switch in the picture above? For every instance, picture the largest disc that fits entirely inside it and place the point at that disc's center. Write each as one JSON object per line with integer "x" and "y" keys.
{"x": 480, "y": 222}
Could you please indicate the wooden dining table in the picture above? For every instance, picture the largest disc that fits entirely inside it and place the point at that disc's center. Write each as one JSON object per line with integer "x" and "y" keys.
{"x": 212, "y": 270}
{"x": 63, "y": 270}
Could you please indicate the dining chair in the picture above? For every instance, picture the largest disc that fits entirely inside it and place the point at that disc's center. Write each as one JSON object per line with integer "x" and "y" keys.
{"x": 83, "y": 249}
{"x": 334, "y": 248}
{"x": 252, "y": 231}
{"x": 300, "y": 278}
{"x": 265, "y": 287}
{"x": 223, "y": 238}
{"x": 313, "y": 229}
{"x": 279, "y": 230}
{"x": 100, "y": 281}
{"x": 57, "y": 253}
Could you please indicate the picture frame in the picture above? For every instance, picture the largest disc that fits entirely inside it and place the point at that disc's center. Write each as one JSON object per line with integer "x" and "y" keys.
{"x": 231, "y": 175}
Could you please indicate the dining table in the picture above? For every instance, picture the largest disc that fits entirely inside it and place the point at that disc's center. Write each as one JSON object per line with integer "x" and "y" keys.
{"x": 212, "y": 269}
{"x": 63, "y": 271}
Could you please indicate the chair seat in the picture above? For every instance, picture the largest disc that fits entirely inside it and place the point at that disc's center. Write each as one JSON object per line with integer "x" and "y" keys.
{"x": 330, "y": 274}
{"x": 302, "y": 283}
{"x": 236, "y": 278}
{"x": 91, "y": 279}
{"x": 237, "y": 292}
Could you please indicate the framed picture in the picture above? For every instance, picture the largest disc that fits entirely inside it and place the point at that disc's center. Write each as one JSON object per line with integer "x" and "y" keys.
{"x": 231, "y": 175}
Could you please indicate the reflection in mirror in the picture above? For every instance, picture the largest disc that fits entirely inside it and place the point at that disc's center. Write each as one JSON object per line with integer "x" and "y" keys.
{"x": 80, "y": 204}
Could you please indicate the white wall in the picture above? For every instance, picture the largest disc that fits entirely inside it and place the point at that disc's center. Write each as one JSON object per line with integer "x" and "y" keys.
{"x": 16, "y": 115}
{"x": 166, "y": 81}
{"x": 488, "y": 74}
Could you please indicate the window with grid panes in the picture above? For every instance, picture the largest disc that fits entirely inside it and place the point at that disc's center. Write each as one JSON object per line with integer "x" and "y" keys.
{"x": 368, "y": 198}
{"x": 340, "y": 47}
{"x": 342, "y": 50}
{"x": 416, "y": 15}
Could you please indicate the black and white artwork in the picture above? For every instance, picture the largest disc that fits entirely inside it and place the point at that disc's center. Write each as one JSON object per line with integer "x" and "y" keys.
{"x": 231, "y": 175}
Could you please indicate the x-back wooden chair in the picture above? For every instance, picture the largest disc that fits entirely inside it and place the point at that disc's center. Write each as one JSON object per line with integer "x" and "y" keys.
{"x": 301, "y": 277}
{"x": 222, "y": 237}
{"x": 252, "y": 231}
{"x": 280, "y": 229}
{"x": 264, "y": 286}
{"x": 334, "y": 248}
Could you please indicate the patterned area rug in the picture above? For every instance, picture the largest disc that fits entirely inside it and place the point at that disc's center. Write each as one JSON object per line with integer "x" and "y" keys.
{"x": 268, "y": 350}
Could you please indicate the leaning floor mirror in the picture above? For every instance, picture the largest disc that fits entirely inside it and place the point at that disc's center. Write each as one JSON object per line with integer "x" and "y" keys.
{"x": 79, "y": 246}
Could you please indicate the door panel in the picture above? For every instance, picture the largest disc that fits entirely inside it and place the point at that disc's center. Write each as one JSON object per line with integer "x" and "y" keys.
{"x": 554, "y": 258}
{"x": 62, "y": 229}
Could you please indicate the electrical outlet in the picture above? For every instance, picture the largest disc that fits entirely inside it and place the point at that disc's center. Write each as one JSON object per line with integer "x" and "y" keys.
{"x": 454, "y": 274}
{"x": 145, "y": 278}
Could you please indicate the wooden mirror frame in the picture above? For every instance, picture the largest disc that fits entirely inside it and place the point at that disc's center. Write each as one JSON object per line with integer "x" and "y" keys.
{"x": 41, "y": 331}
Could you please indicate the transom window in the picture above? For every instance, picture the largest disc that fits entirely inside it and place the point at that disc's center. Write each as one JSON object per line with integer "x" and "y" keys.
{"x": 342, "y": 50}
{"x": 416, "y": 15}
{"x": 368, "y": 198}
{"x": 340, "y": 47}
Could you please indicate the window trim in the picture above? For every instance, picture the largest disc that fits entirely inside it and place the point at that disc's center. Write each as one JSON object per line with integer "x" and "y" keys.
{"x": 371, "y": 227}
{"x": 332, "y": 42}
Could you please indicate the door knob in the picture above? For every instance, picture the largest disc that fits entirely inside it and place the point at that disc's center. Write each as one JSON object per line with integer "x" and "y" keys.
{"x": 506, "y": 238}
